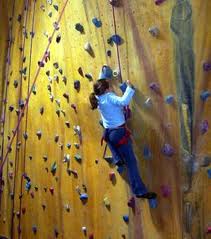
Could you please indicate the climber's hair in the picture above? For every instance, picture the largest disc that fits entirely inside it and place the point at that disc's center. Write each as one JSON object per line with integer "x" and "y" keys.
{"x": 99, "y": 88}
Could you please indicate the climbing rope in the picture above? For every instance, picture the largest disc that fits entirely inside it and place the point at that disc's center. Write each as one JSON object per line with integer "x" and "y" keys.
{"x": 117, "y": 46}
{"x": 26, "y": 7}
{"x": 4, "y": 105}
{"x": 31, "y": 89}
{"x": 26, "y": 121}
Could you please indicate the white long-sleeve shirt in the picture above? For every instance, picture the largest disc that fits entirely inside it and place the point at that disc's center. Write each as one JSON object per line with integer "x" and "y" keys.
{"x": 111, "y": 107}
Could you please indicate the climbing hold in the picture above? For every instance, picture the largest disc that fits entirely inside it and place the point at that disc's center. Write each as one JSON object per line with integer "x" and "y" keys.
{"x": 105, "y": 73}
{"x": 91, "y": 236}
{"x": 42, "y": 7}
{"x": 146, "y": 152}
{"x": 66, "y": 96}
{"x": 153, "y": 203}
{"x": 89, "y": 76}
{"x": 32, "y": 194}
{"x": 58, "y": 102}
{"x": 41, "y": 110}
{"x": 28, "y": 186}
{"x": 204, "y": 95}
{"x": 19, "y": 18}
{"x": 64, "y": 79}
{"x": 47, "y": 57}
{"x": 45, "y": 157}
{"x": 11, "y": 108}
{"x": 154, "y": 86}
{"x": 56, "y": 65}
{"x": 84, "y": 230}
{"x": 168, "y": 150}
{"x": 77, "y": 146}
{"x": 108, "y": 52}
{"x": 80, "y": 71}
{"x": 21, "y": 103}
{"x": 159, "y": 2}
{"x": 78, "y": 158}
{"x": 77, "y": 85}
{"x": 68, "y": 145}
{"x": 154, "y": 31}
{"x": 56, "y": 138}
{"x": 39, "y": 134}
{"x": 97, "y": 22}
{"x": 61, "y": 71}
{"x": 51, "y": 189}
{"x": 56, "y": 7}
{"x": 114, "y": 3}
{"x": 58, "y": 112}
{"x": 15, "y": 83}
{"x": 34, "y": 90}
{"x": 126, "y": 218}
{"x": 53, "y": 168}
{"x": 66, "y": 158}
{"x": 67, "y": 207}
{"x": 204, "y": 126}
{"x": 208, "y": 230}
{"x": 131, "y": 203}
{"x": 117, "y": 39}
{"x": 34, "y": 229}
{"x": 84, "y": 197}
{"x": 58, "y": 38}
{"x": 88, "y": 48}
{"x": 50, "y": 14}
{"x": 169, "y": 99}
{"x": 207, "y": 66}
{"x": 166, "y": 190}
{"x": 25, "y": 136}
{"x": 56, "y": 27}
{"x": 56, "y": 78}
{"x": 23, "y": 210}
{"x": 79, "y": 27}
{"x": 47, "y": 73}
{"x": 112, "y": 176}
{"x": 106, "y": 202}
{"x": 56, "y": 232}
{"x": 50, "y": 2}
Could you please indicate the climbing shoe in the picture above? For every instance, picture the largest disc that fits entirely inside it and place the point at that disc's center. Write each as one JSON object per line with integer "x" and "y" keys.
{"x": 149, "y": 195}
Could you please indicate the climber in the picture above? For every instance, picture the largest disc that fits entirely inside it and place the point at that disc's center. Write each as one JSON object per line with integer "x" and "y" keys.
{"x": 116, "y": 133}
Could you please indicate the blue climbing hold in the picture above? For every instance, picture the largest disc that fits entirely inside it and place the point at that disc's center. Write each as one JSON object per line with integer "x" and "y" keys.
{"x": 209, "y": 173}
{"x": 97, "y": 22}
{"x": 153, "y": 203}
{"x": 28, "y": 185}
{"x": 116, "y": 39}
{"x": 147, "y": 153}
{"x": 169, "y": 99}
{"x": 84, "y": 197}
{"x": 126, "y": 218}
{"x": 123, "y": 87}
{"x": 204, "y": 95}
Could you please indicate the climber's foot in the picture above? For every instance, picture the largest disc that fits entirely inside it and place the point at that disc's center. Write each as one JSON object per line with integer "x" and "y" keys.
{"x": 149, "y": 195}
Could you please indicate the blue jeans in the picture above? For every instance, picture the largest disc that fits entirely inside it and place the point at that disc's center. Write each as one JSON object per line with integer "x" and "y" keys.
{"x": 125, "y": 152}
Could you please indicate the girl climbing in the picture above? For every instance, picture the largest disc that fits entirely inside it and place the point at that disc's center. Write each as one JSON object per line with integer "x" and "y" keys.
{"x": 116, "y": 134}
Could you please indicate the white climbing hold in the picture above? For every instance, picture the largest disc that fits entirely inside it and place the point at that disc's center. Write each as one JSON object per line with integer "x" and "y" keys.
{"x": 154, "y": 31}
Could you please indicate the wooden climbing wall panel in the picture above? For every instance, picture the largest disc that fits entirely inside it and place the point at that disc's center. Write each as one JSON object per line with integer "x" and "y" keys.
{"x": 170, "y": 64}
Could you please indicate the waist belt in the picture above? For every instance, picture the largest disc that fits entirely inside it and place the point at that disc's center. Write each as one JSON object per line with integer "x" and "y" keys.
{"x": 123, "y": 140}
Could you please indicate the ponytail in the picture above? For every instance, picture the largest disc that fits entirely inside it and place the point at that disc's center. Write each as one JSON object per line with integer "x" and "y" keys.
{"x": 99, "y": 88}
{"x": 93, "y": 101}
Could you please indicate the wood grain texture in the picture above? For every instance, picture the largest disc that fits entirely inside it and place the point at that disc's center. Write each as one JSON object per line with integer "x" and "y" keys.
{"x": 143, "y": 60}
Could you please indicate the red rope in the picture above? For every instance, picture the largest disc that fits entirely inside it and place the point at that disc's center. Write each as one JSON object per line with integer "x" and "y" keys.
{"x": 28, "y": 97}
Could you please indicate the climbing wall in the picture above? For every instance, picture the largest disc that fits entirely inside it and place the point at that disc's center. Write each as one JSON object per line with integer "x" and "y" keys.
{"x": 55, "y": 182}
